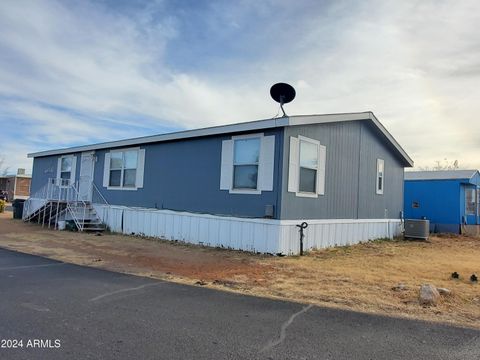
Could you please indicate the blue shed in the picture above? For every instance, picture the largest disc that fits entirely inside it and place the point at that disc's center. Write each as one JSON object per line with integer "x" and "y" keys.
{"x": 449, "y": 199}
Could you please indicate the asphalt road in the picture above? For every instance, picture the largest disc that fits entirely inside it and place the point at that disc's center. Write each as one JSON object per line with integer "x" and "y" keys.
{"x": 95, "y": 314}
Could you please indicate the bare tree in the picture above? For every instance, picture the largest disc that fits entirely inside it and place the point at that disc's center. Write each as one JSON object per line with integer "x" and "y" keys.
{"x": 442, "y": 165}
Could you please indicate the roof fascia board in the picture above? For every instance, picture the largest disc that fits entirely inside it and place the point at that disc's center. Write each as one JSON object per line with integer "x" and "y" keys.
{"x": 327, "y": 118}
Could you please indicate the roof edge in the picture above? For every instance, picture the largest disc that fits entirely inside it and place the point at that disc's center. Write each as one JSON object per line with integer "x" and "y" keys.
{"x": 184, "y": 134}
{"x": 239, "y": 127}
{"x": 473, "y": 171}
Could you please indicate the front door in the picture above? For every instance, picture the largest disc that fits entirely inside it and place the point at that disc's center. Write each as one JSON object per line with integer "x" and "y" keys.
{"x": 87, "y": 167}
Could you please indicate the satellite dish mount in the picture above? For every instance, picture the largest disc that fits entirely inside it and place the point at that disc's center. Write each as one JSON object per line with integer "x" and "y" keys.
{"x": 283, "y": 94}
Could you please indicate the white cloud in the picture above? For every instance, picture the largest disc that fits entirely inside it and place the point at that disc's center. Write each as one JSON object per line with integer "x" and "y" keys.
{"x": 81, "y": 73}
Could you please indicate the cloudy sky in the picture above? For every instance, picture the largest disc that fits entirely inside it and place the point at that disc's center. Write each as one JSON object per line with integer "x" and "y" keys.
{"x": 74, "y": 73}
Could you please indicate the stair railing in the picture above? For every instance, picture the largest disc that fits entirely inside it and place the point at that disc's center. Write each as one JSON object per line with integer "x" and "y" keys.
{"x": 49, "y": 200}
{"x": 96, "y": 194}
{"x": 35, "y": 202}
{"x": 99, "y": 199}
{"x": 74, "y": 205}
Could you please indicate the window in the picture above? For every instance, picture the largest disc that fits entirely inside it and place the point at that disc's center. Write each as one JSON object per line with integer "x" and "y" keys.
{"x": 380, "y": 176}
{"x": 306, "y": 169}
{"x": 66, "y": 169}
{"x": 245, "y": 163}
{"x": 123, "y": 168}
{"x": 308, "y": 166}
{"x": 470, "y": 201}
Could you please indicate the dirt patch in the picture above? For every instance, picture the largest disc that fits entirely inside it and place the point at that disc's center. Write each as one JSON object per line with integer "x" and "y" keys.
{"x": 361, "y": 277}
{"x": 131, "y": 254}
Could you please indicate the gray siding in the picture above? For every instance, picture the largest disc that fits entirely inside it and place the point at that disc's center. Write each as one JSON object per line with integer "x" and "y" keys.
{"x": 371, "y": 205}
{"x": 352, "y": 150}
{"x": 182, "y": 175}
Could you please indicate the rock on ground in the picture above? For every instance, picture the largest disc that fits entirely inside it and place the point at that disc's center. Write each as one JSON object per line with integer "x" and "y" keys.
{"x": 444, "y": 291}
{"x": 429, "y": 295}
{"x": 400, "y": 287}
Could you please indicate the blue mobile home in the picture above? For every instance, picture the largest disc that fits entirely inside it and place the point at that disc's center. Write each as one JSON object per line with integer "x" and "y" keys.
{"x": 449, "y": 199}
{"x": 242, "y": 186}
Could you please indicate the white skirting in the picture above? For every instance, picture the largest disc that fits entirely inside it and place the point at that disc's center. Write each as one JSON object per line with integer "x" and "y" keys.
{"x": 256, "y": 235}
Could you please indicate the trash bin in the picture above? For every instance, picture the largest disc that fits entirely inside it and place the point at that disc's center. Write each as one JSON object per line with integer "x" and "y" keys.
{"x": 17, "y": 205}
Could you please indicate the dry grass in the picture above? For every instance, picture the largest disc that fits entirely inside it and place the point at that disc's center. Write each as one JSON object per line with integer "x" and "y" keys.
{"x": 361, "y": 277}
{"x": 358, "y": 277}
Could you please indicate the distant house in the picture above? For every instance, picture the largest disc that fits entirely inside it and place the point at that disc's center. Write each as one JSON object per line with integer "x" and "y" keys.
{"x": 16, "y": 186}
{"x": 449, "y": 199}
{"x": 242, "y": 186}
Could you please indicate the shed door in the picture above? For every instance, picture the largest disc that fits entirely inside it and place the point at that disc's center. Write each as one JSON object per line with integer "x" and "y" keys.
{"x": 86, "y": 175}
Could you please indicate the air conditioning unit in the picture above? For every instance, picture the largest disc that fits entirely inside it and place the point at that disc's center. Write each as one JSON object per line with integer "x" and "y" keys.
{"x": 417, "y": 229}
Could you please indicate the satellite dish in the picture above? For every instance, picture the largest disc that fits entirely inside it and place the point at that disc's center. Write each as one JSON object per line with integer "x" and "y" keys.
{"x": 283, "y": 94}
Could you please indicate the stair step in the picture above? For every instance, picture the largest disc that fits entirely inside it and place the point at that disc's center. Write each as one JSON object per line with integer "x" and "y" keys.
{"x": 94, "y": 229}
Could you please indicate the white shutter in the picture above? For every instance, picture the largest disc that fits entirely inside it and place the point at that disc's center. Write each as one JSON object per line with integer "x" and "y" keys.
{"x": 293, "y": 166}
{"x": 59, "y": 167}
{"x": 140, "y": 168}
{"x": 74, "y": 169}
{"x": 322, "y": 159}
{"x": 106, "y": 170}
{"x": 226, "y": 170}
{"x": 266, "y": 162}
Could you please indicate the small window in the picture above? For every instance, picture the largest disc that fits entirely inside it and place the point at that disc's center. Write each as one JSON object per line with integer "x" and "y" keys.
{"x": 245, "y": 163}
{"x": 470, "y": 201}
{"x": 123, "y": 168}
{"x": 380, "y": 176}
{"x": 308, "y": 167}
{"x": 66, "y": 170}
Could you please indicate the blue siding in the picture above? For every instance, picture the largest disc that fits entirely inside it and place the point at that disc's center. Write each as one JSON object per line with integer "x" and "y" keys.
{"x": 440, "y": 201}
{"x": 45, "y": 168}
{"x": 185, "y": 176}
{"x": 180, "y": 175}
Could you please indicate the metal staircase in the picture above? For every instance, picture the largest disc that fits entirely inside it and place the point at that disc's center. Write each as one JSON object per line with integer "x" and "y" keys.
{"x": 85, "y": 217}
{"x": 59, "y": 200}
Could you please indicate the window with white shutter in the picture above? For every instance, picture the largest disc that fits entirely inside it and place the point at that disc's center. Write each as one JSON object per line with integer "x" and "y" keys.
{"x": 123, "y": 169}
{"x": 306, "y": 173}
{"x": 247, "y": 164}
